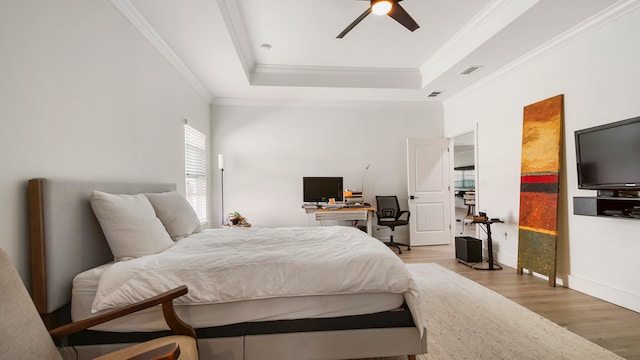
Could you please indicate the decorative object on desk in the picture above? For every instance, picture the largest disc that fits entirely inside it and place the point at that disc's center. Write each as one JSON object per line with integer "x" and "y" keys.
{"x": 221, "y": 168}
{"x": 353, "y": 197}
{"x": 539, "y": 187}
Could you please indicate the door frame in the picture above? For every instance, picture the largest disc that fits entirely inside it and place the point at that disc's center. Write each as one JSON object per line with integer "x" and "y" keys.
{"x": 474, "y": 130}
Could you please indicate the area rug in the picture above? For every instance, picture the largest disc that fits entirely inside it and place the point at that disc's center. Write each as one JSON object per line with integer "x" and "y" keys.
{"x": 465, "y": 320}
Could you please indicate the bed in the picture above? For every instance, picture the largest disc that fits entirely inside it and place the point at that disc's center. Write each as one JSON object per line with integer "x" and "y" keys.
{"x": 70, "y": 254}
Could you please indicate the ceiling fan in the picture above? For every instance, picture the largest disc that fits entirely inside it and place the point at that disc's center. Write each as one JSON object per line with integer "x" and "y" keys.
{"x": 382, "y": 7}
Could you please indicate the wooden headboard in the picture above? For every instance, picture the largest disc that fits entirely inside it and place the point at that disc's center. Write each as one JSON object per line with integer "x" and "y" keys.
{"x": 65, "y": 236}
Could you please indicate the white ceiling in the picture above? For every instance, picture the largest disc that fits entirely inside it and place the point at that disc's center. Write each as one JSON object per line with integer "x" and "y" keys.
{"x": 219, "y": 45}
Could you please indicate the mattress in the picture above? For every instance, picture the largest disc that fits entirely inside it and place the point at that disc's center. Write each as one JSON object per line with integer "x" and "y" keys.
{"x": 208, "y": 315}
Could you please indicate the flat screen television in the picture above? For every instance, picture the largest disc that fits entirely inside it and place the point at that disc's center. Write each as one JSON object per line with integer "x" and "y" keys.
{"x": 608, "y": 156}
{"x": 321, "y": 189}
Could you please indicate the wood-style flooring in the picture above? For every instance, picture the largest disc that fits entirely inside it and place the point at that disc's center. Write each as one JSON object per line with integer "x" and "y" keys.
{"x": 610, "y": 326}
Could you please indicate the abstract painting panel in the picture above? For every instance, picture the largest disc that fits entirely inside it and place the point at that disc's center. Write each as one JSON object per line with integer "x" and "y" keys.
{"x": 539, "y": 187}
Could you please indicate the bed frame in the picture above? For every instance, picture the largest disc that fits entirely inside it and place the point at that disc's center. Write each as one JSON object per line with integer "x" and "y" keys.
{"x": 66, "y": 239}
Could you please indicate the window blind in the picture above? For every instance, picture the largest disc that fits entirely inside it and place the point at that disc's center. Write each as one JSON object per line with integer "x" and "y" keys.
{"x": 196, "y": 171}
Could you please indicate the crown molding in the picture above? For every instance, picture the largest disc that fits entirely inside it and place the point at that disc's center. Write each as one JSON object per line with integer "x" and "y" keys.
{"x": 263, "y": 102}
{"x": 476, "y": 32}
{"x": 135, "y": 17}
{"x": 233, "y": 20}
{"x": 323, "y": 76}
{"x": 616, "y": 10}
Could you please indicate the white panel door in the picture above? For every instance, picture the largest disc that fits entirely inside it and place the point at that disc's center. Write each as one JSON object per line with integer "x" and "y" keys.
{"x": 429, "y": 191}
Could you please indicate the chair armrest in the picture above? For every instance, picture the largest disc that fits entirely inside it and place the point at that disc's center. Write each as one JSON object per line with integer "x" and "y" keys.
{"x": 402, "y": 212}
{"x": 165, "y": 352}
{"x": 166, "y": 299}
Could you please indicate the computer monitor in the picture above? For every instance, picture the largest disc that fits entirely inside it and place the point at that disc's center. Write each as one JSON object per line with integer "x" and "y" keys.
{"x": 321, "y": 189}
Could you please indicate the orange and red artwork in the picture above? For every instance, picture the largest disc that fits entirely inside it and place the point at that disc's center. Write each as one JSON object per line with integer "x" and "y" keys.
{"x": 539, "y": 186}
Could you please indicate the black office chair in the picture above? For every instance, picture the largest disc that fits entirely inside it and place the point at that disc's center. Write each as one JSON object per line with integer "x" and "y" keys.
{"x": 389, "y": 214}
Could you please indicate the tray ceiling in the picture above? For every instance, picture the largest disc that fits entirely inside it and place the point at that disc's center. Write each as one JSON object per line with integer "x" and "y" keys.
{"x": 287, "y": 49}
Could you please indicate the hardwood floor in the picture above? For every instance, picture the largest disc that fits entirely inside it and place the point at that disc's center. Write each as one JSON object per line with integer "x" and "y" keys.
{"x": 610, "y": 326}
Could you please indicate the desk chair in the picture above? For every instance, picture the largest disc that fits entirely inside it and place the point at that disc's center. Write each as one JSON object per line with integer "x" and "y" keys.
{"x": 470, "y": 201}
{"x": 389, "y": 214}
{"x": 23, "y": 334}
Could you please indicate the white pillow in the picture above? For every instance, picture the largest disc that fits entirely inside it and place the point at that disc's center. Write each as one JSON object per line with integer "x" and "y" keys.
{"x": 130, "y": 225}
{"x": 176, "y": 214}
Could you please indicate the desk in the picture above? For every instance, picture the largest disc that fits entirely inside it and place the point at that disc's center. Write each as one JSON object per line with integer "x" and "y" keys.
{"x": 353, "y": 214}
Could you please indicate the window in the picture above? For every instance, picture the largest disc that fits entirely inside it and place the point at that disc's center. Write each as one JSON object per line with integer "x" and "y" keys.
{"x": 196, "y": 171}
{"x": 464, "y": 178}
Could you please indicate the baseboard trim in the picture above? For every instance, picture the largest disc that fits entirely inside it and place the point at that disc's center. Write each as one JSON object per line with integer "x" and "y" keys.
{"x": 502, "y": 258}
{"x": 598, "y": 290}
{"x": 607, "y": 293}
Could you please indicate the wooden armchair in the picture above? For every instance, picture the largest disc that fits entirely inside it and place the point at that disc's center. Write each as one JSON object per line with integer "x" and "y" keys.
{"x": 23, "y": 335}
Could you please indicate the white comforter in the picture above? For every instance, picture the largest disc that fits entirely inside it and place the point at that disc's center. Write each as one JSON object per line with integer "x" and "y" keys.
{"x": 232, "y": 265}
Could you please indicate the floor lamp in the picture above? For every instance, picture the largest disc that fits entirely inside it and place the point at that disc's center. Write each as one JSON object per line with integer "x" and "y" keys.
{"x": 221, "y": 167}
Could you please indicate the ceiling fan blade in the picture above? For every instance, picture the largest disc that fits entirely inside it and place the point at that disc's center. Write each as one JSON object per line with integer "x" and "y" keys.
{"x": 399, "y": 14}
{"x": 354, "y": 23}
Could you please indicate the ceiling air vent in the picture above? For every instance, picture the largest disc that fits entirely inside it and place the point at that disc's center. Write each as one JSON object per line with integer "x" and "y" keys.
{"x": 470, "y": 69}
{"x": 434, "y": 93}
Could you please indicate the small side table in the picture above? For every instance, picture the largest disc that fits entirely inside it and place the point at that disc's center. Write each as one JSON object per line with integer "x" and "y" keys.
{"x": 492, "y": 264}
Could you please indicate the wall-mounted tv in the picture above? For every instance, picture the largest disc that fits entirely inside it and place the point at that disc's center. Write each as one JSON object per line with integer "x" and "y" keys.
{"x": 608, "y": 156}
{"x": 321, "y": 189}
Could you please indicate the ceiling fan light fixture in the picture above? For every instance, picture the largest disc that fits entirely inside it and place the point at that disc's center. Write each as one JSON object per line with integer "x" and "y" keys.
{"x": 381, "y": 7}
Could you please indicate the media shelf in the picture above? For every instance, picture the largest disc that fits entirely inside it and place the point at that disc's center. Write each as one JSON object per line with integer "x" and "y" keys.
{"x": 620, "y": 207}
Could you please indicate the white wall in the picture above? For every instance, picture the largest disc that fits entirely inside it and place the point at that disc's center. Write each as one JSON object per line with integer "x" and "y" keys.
{"x": 268, "y": 148}
{"x": 83, "y": 95}
{"x": 598, "y": 75}
{"x": 463, "y": 158}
